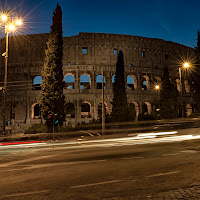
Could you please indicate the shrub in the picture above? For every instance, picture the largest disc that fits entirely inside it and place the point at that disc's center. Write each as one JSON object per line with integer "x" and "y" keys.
{"x": 36, "y": 128}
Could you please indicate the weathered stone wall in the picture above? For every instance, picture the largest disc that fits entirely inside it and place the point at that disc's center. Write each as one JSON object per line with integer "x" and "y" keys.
{"x": 143, "y": 57}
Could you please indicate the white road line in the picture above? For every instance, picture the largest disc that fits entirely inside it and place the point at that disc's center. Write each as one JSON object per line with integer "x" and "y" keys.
{"x": 23, "y": 161}
{"x": 163, "y": 174}
{"x": 25, "y": 193}
{"x": 87, "y": 133}
{"x": 94, "y": 132}
{"x": 36, "y": 166}
{"x": 94, "y": 184}
{"x": 129, "y": 158}
{"x": 172, "y": 154}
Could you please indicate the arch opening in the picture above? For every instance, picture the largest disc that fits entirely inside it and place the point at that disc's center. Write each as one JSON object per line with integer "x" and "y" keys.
{"x": 69, "y": 81}
{"x": 70, "y": 110}
{"x": 99, "y": 81}
{"x": 85, "y": 110}
{"x": 85, "y": 82}
{"x": 37, "y": 81}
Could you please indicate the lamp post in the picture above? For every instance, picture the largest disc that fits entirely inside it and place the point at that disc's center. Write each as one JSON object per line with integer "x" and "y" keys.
{"x": 9, "y": 25}
{"x": 185, "y": 65}
{"x": 103, "y": 106}
{"x": 157, "y": 88}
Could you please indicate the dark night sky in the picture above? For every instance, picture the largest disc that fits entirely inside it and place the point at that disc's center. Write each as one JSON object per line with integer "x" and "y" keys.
{"x": 174, "y": 20}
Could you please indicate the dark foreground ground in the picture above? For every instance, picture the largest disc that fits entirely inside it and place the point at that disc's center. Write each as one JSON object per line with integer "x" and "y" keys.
{"x": 107, "y": 169}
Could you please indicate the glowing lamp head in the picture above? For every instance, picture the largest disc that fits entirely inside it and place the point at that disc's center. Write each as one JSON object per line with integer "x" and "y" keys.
{"x": 186, "y": 65}
{"x": 11, "y": 27}
{"x": 19, "y": 22}
{"x": 3, "y": 17}
{"x": 157, "y": 87}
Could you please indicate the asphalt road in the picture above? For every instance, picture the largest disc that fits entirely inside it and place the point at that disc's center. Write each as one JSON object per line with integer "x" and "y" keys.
{"x": 111, "y": 168}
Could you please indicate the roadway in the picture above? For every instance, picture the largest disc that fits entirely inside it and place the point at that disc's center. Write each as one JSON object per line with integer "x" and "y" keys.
{"x": 126, "y": 167}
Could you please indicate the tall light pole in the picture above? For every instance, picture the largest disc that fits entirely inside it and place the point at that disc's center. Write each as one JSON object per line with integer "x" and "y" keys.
{"x": 185, "y": 65}
{"x": 9, "y": 24}
{"x": 103, "y": 105}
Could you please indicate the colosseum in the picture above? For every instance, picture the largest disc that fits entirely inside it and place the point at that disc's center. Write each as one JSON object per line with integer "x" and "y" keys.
{"x": 85, "y": 56}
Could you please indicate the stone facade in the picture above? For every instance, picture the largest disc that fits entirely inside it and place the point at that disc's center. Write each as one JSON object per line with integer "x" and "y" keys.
{"x": 86, "y": 54}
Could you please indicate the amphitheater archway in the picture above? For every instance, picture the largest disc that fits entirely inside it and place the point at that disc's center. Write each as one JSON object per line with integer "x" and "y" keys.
{"x": 86, "y": 110}
{"x": 37, "y": 81}
{"x": 188, "y": 110}
{"x": 145, "y": 82}
{"x": 136, "y": 107}
{"x": 70, "y": 110}
{"x": 36, "y": 111}
{"x": 178, "y": 85}
{"x": 100, "y": 109}
{"x": 157, "y": 80}
{"x": 85, "y": 81}
{"x": 69, "y": 81}
{"x": 99, "y": 81}
{"x": 146, "y": 109}
{"x": 187, "y": 87}
{"x": 131, "y": 82}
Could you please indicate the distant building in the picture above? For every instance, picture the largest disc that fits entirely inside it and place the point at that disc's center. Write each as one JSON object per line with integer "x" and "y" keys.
{"x": 84, "y": 56}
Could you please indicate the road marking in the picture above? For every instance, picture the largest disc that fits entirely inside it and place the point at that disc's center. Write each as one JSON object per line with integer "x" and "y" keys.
{"x": 23, "y": 161}
{"x": 94, "y": 184}
{"x": 94, "y": 132}
{"x": 172, "y": 154}
{"x": 26, "y": 193}
{"x": 132, "y": 158}
{"x": 163, "y": 174}
{"x": 87, "y": 133}
{"x": 36, "y": 166}
{"x": 189, "y": 151}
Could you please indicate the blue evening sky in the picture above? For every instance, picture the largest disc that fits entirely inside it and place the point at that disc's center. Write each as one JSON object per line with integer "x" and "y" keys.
{"x": 173, "y": 20}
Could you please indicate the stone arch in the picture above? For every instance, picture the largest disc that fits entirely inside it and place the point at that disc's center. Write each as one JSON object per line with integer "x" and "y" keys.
{"x": 187, "y": 87}
{"x": 178, "y": 84}
{"x": 37, "y": 81}
{"x": 85, "y": 81}
{"x": 145, "y": 83}
{"x": 146, "y": 109}
{"x": 36, "y": 111}
{"x": 99, "y": 81}
{"x": 70, "y": 110}
{"x": 131, "y": 82}
{"x": 157, "y": 80}
{"x": 69, "y": 81}
{"x": 136, "y": 109}
{"x": 188, "y": 109}
{"x": 86, "y": 110}
{"x": 100, "y": 109}
{"x": 113, "y": 78}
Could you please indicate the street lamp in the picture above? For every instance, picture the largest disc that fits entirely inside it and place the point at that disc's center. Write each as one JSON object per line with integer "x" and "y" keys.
{"x": 157, "y": 87}
{"x": 9, "y": 23}
{"x": 185, "y": 65}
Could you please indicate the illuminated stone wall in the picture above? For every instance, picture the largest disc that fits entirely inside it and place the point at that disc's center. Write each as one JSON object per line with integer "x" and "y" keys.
{"x": 88, "y": 53}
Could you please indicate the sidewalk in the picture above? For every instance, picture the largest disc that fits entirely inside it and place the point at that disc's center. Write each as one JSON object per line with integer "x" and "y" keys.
{"x": 189, "y": 193}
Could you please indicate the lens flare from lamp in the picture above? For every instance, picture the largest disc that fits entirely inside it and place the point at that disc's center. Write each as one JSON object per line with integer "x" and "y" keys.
{"x": 157, "y": 87}
{"x": 19, "y": 22}
{"x": 11, "y": 27}
{"x": 186, "y": 65}
{"x": 3, "y": 17}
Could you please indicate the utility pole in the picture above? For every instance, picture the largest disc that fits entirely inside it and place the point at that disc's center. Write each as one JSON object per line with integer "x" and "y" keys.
{"x": 103, "y": 106}
{"x": 5, "y": 86}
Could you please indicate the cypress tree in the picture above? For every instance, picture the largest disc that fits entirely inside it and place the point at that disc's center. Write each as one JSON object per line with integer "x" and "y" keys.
{"x": 168, "y": 97}
{"x": 52, "y": 98}
{"x": 196, "y": 77}
{"x": 120, "y": 111}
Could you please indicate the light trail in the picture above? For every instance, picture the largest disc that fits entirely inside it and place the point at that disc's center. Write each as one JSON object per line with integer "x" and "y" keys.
{"x": 148, "y": 138}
